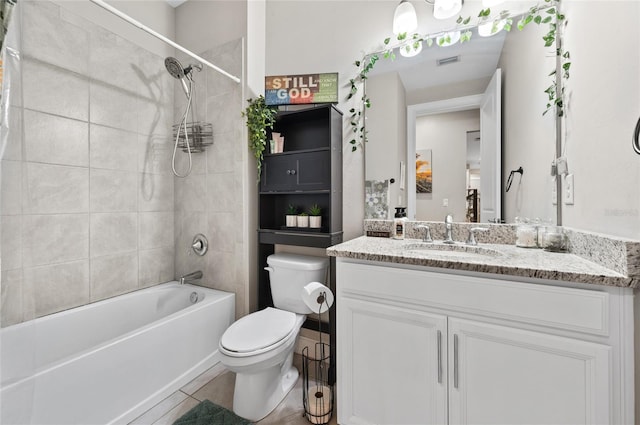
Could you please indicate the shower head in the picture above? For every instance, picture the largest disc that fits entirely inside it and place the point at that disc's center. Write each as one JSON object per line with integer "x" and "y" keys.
{"x": 177, "y": 71}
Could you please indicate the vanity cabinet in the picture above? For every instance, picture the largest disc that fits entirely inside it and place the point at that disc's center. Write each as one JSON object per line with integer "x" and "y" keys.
{"x": 418, "y": 346}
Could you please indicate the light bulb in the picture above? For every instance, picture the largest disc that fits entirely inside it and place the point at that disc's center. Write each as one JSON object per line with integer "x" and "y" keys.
{"x": 445, "y": 9}
{"x": 404, "y": 19}
{"x": 487, "y": 29}
{"x": 448, "y": 39}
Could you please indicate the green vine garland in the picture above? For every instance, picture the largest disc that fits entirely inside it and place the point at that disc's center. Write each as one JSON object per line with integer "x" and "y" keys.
{"x": 546, "y": 13}
{"x": 260, "y": 117}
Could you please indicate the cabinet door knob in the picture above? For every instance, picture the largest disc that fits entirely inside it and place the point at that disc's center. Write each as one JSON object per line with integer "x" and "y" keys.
{"x": 293, "y": 172}
{"x": 289, "y": 172}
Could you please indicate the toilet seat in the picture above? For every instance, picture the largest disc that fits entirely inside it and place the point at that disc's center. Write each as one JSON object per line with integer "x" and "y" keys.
{"x": 258, "y": 332}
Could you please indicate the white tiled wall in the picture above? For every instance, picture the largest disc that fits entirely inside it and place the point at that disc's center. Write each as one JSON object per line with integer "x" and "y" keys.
{"x": 209, "y": 201}
{"x": 87, "y": 208}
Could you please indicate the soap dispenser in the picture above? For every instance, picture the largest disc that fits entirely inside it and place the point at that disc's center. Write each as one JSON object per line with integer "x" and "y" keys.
{"x": 399, "y": 223}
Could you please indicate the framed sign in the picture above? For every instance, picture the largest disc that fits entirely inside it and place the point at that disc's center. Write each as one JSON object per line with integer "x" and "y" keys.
{"x": 301, "y": 89}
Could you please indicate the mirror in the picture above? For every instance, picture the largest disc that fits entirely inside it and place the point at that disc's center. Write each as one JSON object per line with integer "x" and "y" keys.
{"x": 424, "y": 107}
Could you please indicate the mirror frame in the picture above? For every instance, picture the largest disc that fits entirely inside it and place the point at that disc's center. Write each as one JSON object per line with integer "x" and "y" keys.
{"x": 414, "y": 111}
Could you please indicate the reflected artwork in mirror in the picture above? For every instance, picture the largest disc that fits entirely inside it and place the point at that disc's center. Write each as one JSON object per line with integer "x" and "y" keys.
{"x": 492, "y": 87}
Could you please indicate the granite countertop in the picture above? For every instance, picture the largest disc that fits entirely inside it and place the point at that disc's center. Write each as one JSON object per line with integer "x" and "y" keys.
{"x": 486, "y": 258}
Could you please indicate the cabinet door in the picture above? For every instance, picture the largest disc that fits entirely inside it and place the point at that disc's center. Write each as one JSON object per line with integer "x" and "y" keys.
{"x": 501, "y": 375}
{"x": 297, "y": 172}
{"x": 390, "y": 370}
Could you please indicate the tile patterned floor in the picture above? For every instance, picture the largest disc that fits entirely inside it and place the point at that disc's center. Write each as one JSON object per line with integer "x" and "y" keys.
{"x": 217, "y": 384}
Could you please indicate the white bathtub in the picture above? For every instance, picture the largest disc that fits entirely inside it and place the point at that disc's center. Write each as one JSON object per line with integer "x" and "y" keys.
{"x": 109, "y": 361}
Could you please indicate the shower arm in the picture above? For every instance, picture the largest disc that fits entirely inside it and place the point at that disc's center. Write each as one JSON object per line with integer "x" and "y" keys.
{"x": 145, "y": 28}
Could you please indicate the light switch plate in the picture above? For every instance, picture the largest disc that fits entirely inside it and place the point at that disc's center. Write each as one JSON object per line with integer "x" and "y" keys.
{"x": 445, "y": 202}
{"x": 568, "y": 189}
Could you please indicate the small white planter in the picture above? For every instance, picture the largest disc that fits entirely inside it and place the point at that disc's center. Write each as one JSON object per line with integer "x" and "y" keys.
{"x": 303, "y": 221}
{"x": 315, "y": 221}
{"x": 291, "y": 220}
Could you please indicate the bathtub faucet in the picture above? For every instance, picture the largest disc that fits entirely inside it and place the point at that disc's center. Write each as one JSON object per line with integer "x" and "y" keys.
{"x": 190, "y": 277}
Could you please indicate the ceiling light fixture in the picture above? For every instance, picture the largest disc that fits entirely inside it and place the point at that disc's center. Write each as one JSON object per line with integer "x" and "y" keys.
{"x": 404, "y": 19}
{"x": 445, "y": 9}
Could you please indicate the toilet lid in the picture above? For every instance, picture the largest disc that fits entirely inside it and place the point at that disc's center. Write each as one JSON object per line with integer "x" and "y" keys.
{"x": 258, "y": 330}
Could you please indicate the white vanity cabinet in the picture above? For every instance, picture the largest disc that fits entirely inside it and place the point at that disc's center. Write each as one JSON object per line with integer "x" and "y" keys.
{"x": 420, "y": 346}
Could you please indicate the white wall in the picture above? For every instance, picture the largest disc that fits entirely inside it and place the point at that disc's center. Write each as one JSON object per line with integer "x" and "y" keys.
{"x": 387, "y": 127}
{"x": 328, "y": 36}
{"x": 604, "y": 106}
{"x": 201, "y": 25}
{"x": 528, "y": 137}
{"x": 156, "y": 14}
{"x": 446, "y": 136}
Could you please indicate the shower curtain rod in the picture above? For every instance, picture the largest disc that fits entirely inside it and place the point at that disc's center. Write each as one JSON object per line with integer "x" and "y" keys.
{"x": 145, "y": 28}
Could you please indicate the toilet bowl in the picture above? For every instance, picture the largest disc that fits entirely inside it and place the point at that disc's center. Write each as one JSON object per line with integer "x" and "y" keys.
{"x": 259, "y": 347}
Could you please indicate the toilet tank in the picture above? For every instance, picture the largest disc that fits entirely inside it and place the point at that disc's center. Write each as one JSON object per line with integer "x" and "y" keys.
{"x": 288, "y": 275}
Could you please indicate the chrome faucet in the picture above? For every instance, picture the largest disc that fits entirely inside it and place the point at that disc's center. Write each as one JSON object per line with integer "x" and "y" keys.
{"x": 190, "y": 277}
{"x": 448, "y": 229}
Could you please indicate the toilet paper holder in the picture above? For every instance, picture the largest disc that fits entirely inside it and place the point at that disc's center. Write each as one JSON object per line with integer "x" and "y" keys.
{"x": 317, "y": 393}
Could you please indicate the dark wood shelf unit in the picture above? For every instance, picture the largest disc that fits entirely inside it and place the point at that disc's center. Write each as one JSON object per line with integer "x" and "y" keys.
{"x": 308, "y": 172}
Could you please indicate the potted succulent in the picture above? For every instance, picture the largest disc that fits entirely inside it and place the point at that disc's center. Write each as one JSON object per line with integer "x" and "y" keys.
{"x": 291, "y": 218}
{"x": 303, "y": 219}
{"x": 315, "y": 217}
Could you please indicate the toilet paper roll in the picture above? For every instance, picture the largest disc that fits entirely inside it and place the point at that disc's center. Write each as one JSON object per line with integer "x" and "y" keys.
{"x": 317, "y": 297}
{"x": 319, "y": 404}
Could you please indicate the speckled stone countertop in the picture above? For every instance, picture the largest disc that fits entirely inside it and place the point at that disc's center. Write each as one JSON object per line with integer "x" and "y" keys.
{"x": 488, "y": 258}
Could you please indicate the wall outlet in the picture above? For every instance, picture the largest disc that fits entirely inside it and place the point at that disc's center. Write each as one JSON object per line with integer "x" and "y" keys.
{"x": 568, "y": 189}
{"x": 554, "y": 191}
{"x": 445, "y": 202}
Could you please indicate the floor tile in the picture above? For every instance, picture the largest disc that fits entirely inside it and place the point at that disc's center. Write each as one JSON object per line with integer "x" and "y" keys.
{"x": 160, "y": 409}
{"x": 174, "y": 414}
{"x": 219, "y": 390}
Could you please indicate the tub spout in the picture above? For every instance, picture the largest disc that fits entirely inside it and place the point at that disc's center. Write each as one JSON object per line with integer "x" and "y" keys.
{"x": 190, "y": 277}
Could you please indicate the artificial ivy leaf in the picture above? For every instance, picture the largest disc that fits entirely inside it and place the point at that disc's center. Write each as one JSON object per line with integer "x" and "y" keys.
{"x": 537, "y": 19}
{"x": 402, "y": 36}
{"x": 484, "y": 13}
{"x": 357, "y": 63}
{"x": 466, "y": 21}
{"x": 547, "y": 20}
{"x": 353, "y": 149}
{"x": 387, "y": 40}
{"x": 429, "y": 42}
{"x": 551, "y": 11}
{"x": 459, "y": 20}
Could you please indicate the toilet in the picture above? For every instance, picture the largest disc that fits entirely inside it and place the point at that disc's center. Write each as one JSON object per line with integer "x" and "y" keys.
{"x": 259, "y": 347}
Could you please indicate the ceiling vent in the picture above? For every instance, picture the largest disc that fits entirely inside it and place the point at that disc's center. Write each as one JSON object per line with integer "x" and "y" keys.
{"x": 446, "y": 61}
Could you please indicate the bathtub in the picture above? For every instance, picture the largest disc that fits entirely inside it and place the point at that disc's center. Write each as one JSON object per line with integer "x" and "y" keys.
{"x": 110, "y": 361}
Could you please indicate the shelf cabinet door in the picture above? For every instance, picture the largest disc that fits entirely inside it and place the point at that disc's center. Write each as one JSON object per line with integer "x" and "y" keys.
{"x": 297, "y": 172}
{"x": 389, "y": 368}
{"x": 502, "y": 375}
